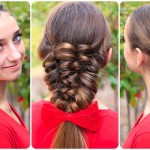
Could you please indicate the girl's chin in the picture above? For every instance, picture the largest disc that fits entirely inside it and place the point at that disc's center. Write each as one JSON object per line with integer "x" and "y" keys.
{"x": 11, "y": 77}
{"x": 15, "y": 77}
{"x": 134, "y": 70}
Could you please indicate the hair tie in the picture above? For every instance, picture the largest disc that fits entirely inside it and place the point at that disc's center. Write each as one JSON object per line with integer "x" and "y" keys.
{"x": 86, "y": 118}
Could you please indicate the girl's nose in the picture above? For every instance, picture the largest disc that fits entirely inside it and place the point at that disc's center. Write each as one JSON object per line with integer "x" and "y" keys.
{"x": 14, "y": 54}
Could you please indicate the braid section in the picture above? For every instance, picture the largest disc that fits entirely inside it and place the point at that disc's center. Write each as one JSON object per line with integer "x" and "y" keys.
{"x": 72, "y": 74}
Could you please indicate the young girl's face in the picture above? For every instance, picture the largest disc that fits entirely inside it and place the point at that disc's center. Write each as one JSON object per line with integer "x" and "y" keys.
{"x": 129, "y": 53}
{"x": 12, "y": 48}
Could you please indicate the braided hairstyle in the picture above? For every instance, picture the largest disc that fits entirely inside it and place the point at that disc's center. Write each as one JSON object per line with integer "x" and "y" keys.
{"x": 74, "y": 48}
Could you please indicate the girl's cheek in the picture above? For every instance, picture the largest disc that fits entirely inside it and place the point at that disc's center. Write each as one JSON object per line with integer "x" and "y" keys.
{"x": 22, "y": 49}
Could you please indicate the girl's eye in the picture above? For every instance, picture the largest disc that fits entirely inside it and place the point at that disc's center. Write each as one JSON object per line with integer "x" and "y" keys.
{"x": 17, "y": 38}
{"x": 2, "y": 46}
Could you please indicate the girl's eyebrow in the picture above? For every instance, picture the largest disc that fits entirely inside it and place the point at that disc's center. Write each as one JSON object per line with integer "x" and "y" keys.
{"x": 15, "y": 33}
{"x": 18, "y": 31}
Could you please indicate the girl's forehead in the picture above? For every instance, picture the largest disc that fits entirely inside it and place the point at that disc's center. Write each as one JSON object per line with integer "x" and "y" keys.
{"x": 4, "y": 14}
{"x": 127, "y": 23}
{"x": 8, "y": 25}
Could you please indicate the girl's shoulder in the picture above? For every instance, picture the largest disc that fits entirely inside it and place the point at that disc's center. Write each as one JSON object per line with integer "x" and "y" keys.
{"x": 106, "y": 112}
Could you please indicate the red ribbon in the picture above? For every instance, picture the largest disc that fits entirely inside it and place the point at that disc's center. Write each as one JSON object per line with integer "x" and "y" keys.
{"x": 87, "y": 118}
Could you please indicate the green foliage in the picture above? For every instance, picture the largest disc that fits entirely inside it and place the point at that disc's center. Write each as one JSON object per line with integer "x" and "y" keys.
{"x": 110, "y": 11}
{"x": 41, "y": 11}
{"x": 130, "y": 82}
{"x": 20, "y": 89}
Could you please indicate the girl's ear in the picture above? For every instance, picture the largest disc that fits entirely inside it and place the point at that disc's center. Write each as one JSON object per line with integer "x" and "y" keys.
{"x": 109, "y": 54}
{"x": 140, "y": 57}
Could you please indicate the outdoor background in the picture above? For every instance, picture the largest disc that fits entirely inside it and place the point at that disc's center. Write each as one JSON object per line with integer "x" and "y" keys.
{"x": 132, "y": 89}
{"x": 19, "y": 90}
{"x": 108, "y": 87}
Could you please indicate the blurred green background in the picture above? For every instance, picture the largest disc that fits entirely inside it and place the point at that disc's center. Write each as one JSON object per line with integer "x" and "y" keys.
{"x": 19, "y": 90}
{"x": 40, "y": 12}
{"x": 132, "y": 93}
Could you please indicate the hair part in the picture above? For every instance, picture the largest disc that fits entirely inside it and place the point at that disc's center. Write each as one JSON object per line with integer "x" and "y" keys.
{"x": 73, "y": 49}
{"x": 3, "y": 9}
{"x": 139, "y": 29}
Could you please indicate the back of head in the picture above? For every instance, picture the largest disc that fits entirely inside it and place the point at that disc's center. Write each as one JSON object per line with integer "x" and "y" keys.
{"x": 139, "y": 29}
{"x": 74, "y": 48}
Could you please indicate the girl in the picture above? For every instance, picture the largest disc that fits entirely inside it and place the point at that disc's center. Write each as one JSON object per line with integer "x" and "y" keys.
{"x": 137, "y": 47}
{"x": 13, "y": 133}
{"x": 75, "y": 46}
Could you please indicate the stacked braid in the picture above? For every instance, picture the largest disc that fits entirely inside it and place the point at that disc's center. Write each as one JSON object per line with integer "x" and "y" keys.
{"x": 74, "y": 48}
{"x": 72, "y": 73}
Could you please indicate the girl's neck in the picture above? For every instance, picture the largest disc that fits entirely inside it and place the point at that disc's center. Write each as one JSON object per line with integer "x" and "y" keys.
{"x": 3, "y": 95}
{"x": 147, "y": 83}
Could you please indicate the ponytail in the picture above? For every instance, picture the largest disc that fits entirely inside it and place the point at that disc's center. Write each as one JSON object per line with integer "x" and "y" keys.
{"x": 69, "y": 136}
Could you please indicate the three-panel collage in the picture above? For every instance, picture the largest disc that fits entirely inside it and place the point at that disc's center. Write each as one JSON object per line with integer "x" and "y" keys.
{"x": 74, "y": 74}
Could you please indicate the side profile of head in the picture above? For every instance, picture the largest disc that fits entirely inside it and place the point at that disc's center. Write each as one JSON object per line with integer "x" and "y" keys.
{"x": 137, "y": 39}
{"x": 12, "y": 48}
{"x": 74, "y": 48}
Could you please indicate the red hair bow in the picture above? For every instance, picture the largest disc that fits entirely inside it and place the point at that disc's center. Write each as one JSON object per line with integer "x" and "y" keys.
{"x": 87, "y": 118}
